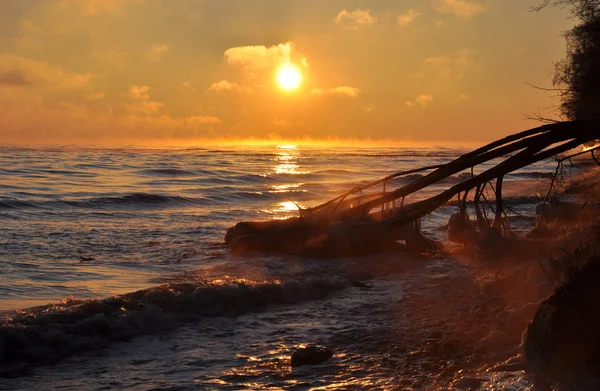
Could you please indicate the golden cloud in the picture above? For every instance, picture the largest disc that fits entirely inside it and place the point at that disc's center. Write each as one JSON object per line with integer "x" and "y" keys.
{"x": 138, "y": 92}
{"x": 94, "y": 7}
{"x": 95, "y": 96}
{"x": 408, "y": 17}
{"x": 157, "y": 51}
{"x": 40, "y": 74}
{"x": 260, "y": 57}
{"x": 145, "y": 109}
{"x": 355, "y": 19}
{"x": 421, "y": 100}
{"x": 224, "y": 86}
{"x": 461, "y": 8}
{"x": 340, "y": 91}
{"x": 437, "y": 60}
{"x": 460, "y": 57}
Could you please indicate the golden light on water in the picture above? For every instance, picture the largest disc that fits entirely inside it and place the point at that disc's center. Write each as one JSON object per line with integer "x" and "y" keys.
{"x": 286, "y": 159}
{"x": 288, "y": 206}
{"x": 289, "y": 77}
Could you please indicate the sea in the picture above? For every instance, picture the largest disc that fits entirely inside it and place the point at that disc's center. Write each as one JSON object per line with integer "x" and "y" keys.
{"x": 114, "y": 273}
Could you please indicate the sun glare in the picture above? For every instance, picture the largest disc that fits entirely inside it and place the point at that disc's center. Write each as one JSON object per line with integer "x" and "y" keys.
{"x": 289, "y": 77}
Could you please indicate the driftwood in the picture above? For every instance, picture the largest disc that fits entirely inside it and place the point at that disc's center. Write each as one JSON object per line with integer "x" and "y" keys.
{"x": 380, "y": 221}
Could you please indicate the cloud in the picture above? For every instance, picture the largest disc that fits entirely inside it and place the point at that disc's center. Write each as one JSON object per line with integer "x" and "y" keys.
{"x": 185, "y": 86}
{"x": 95, "y": 7}
{"x": 437, "y": 60}
{"x": 224, "y": 86}
{"x": 112, "y": 55}
{"x": 255, "y": 58}
{"x": 13, "y": 78}
{"x": 339, "y": 91}
{"x": 141, "y": 104}
{"x": 461, "y": 8}
{"x": 355, "y": 19}
{"x": 142, "y": 110}
{"x": 451, "y": 66}
{"x": 95, "y": 96}
{"x": 460, "y": 57}
{"x": 157, "y": 51}
{"x": 464, "y": 56}
{"x": 421, "y": 100}
{"x": 408, "y": 17}
{"x": 23, "y": 71}
{"x": 138, "y": 92}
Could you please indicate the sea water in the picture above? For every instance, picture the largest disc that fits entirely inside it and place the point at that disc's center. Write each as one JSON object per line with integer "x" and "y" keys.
{"x": 114, "y": 273}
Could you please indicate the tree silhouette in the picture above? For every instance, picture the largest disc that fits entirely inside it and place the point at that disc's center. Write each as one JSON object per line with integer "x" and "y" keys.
{"x": 577, "y": 77}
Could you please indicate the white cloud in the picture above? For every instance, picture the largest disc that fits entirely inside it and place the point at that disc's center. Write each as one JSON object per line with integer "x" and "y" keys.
{"x": 340, "y": 91}
{"x": 254, "y": 58}
{"x": 421, "y": 100}
{"x": 461, "y": 8}
{"x": 408, "y": 17}
{"x": 355, "y": 19}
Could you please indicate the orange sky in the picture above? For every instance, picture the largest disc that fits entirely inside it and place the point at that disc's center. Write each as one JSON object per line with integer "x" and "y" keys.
{"x": 177, "y": 71}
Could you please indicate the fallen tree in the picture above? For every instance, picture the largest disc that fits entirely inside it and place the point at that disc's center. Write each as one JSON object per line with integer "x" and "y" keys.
{"x": 358, "y": 224}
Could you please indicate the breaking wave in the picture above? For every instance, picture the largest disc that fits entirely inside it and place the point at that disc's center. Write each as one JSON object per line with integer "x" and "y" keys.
{"x": 58, "y": 330}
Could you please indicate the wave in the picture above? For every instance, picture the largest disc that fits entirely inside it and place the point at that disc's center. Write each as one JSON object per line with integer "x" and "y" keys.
{"x": 336, "y": 171}
{"x": 269, "y": 195}
{"x": 59, "y": 330}
{"x": 15, "y": 204}
{"x": 251, "y": 178}
{"x": 136, "y": 199}
{"x": 169, "y": 172}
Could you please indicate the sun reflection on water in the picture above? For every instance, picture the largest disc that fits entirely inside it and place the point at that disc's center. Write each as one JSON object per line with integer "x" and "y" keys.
{"x": 286, "y": 160}
{"x": 288, "y": 206}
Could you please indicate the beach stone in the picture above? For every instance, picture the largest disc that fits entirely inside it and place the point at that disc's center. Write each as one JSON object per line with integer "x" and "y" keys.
{"x": 310, "y": 355}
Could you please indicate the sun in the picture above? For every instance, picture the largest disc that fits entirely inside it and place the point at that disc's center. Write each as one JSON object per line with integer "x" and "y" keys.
{"x": 289, "y": 77}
